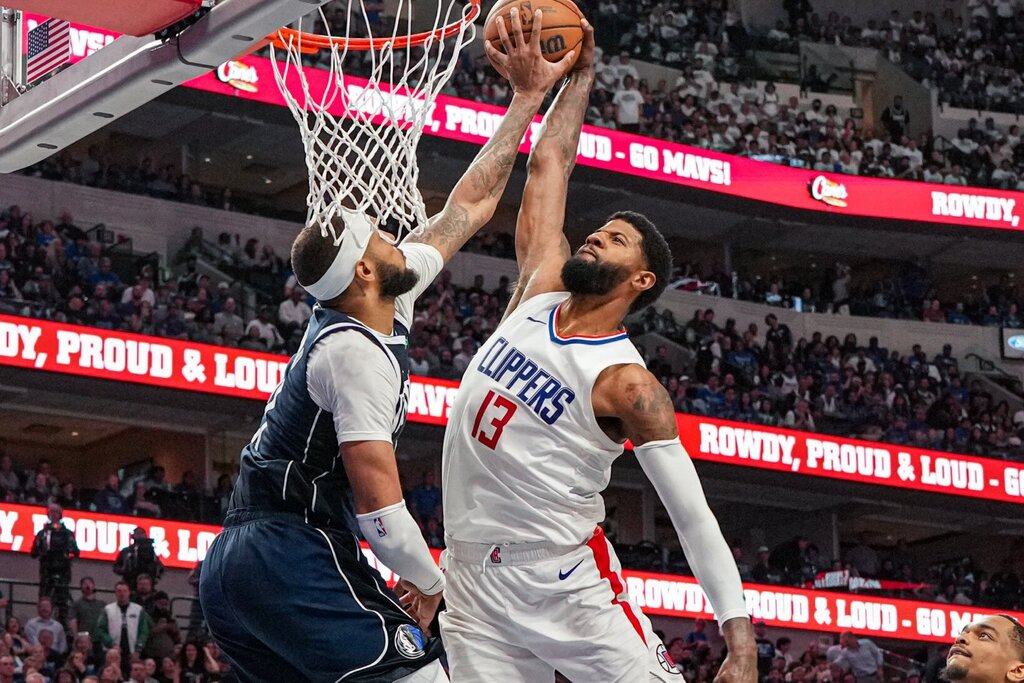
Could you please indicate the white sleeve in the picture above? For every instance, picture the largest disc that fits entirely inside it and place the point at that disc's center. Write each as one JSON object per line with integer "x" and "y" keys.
{"x": 356, "y": 381}
{"x": 425, "y": 261}
{"x": 397, "y": 541}
{"x": 675, "y": 479}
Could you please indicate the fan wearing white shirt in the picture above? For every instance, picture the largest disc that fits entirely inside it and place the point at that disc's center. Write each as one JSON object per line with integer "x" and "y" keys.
{"x": 293, "y": 312}
{"x": 628, "y": 101}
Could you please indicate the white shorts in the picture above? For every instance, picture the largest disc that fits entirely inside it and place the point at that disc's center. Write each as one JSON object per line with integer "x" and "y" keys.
{"x": 570, "y": 613}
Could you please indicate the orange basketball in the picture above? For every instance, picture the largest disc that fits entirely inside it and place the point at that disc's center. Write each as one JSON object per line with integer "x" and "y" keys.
{"x": 560, "y": 26}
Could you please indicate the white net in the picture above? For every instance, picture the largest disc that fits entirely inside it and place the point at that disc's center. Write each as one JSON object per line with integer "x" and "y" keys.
{"x": 361, "y": 119}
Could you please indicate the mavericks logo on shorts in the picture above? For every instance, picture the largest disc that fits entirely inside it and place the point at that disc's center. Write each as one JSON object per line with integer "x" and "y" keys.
{"x": 409, "y": 641}
{"x": 666, "y": 661}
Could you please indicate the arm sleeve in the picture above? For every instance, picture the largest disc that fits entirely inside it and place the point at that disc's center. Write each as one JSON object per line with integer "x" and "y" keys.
{"x": 103, "y": 631}
{"x": 424, "y": 260}
{"x": 675, "y": 479}
{"x": 357, "y": 382}
{"x": 398, "y": 543}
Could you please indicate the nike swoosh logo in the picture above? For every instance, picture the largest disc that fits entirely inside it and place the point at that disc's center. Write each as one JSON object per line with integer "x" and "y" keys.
{"x": 562, "y": 576}
{"x": 539, "y": 322}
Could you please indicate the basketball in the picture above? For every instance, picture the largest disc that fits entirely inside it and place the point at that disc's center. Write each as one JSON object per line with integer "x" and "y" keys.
{"x": 560, "y": 31}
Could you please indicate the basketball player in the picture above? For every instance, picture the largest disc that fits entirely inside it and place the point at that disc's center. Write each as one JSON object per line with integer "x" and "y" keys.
{"x": 542, "y": 412}
{"x": 990, "y": 650}
{"x": 285, "y": 588}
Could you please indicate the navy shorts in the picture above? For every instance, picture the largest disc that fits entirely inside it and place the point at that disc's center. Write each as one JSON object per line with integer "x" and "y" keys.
{"x": 288, "y": 601}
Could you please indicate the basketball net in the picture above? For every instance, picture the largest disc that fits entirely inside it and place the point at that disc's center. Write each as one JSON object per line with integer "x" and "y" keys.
{"x": 359, "y": 138}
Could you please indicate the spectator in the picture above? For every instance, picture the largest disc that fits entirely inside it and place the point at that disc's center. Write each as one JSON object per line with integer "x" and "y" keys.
{"x": 765, "y": 648}
{"x": 267, "y": 330}
{"x": 7, "y": 669}
{"x": 192, "y": 663}
{"x": 138, "y": 558}
{"x": 861, "y": 657}
{"x": 144, "y": 593}
{"x": 54, "y": 546}
{"x": 85, "y": 612}
{"x": 10, "y": 482}
{"x": 896, "y": 118}
{"x": 293, "y": 312}
{"x": 628, "y": 101}
{"x": 44, "y": 622}
{"x": 697, "y": 635}
{"x": 109, "y": 500}
{"x": 140, "y": 504}
{"x": 125, "y": 624}
{"x": 762, "y": 571}
{"x": 425, "y": 499}
{"x": 227, "y": 323}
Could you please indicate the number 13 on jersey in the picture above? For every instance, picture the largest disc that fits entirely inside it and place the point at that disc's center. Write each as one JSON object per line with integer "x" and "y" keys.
{"x": 491, "y": 418}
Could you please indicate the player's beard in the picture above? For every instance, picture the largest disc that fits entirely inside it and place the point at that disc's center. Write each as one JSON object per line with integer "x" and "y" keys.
{"x": 395, "y": 281}
{"x": 590, "y": 277}
{"x": 954, "y": 672}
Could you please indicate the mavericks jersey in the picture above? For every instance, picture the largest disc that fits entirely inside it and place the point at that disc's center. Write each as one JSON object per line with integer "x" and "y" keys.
{"x": 524, "y": 458}
{"x": 292, "y": 463}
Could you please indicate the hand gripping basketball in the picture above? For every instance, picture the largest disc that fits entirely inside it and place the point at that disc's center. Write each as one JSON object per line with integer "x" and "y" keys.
{"x": 522, "y": 63}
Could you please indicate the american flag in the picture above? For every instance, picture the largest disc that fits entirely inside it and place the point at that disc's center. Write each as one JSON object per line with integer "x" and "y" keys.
{"x": 49, "y": 46}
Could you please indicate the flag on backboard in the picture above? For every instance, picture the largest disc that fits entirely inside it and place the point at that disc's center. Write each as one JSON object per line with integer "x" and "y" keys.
{"x": 49, "y": 46}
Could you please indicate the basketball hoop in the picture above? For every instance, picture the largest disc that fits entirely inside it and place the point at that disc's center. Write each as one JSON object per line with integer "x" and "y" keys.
{"x": 359, "y": 138}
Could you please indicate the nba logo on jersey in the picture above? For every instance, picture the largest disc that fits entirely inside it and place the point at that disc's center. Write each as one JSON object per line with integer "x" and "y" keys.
{"x": 379, "y": 523}
{"x": 496, "y": 555}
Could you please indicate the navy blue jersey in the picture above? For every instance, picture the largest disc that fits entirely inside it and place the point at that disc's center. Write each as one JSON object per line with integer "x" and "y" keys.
{"x": 292, "y": 463}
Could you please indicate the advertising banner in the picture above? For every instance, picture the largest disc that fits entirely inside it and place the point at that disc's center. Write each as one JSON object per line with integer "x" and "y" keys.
{"x": 170, "y": 363}
{"x": 181, "y": 545}
{"x": 453, "y": 118}
{"x": 834, "y": 457}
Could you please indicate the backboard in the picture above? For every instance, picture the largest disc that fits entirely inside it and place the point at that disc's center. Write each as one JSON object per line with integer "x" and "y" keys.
{"x": 38, "y": 121}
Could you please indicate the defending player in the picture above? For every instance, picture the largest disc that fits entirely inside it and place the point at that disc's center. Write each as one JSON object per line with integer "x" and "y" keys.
{"x": 542, "y": 412}
{"x": 285, "y": 589}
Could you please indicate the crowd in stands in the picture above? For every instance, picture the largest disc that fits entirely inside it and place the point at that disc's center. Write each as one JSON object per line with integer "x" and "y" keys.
{"x": 824, "y": 384}
{"x": 972, "y": 61}
{"x": 906, "y": 292}
{"x": 99, "y": 167}
{"x": 55, "y": 272}
{"x": 83, "y": 642}
{"x": 959, "y": 581}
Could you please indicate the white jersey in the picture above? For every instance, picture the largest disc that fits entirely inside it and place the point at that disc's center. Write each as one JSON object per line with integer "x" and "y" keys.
{"x": 524, "y": 458}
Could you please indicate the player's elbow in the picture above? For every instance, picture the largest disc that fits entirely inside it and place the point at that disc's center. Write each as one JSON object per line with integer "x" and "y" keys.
{"x": 546, "y": 159}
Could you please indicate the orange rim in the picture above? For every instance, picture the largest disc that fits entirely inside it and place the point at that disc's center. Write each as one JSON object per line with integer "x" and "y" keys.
{"x": 311, "y": 43}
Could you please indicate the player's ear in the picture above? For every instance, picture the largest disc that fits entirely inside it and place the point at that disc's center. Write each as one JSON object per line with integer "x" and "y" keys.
{"x": 1016, "y": 673}
{"x": 644, "y": 280}
{"x": 365, "y": 270}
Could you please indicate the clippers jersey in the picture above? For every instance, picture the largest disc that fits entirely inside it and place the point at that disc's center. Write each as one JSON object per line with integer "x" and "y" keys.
{"x": 524, "y": 458}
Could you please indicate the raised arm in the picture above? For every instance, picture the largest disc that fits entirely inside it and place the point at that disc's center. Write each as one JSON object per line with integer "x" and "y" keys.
{"x": 541, "y": 248}
{"x": 474, "y": 198}
{"x": 634, "y": 397}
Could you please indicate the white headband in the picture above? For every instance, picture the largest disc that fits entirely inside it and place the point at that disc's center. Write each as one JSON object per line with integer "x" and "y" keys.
{"x": 354, "y": 240}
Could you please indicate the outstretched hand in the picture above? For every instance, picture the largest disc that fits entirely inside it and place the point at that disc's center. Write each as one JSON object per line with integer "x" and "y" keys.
{"x": 522, "y": 62}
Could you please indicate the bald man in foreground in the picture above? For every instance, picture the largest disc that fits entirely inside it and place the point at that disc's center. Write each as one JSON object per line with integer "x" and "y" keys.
{"x": 989, "y": 650}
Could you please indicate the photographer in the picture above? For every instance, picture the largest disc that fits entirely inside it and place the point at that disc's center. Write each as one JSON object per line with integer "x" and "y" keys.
{"x": 138, "y": 558}
{"x": 55, "y": 546}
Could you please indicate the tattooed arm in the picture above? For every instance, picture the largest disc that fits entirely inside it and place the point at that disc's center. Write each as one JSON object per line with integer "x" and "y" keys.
{"x": 475, "y": 197}
{"x": 541, "y": 248}
{"x": 632, "y": 404}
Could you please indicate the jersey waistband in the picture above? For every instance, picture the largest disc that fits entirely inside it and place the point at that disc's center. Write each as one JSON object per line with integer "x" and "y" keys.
{"x": 505, "y": 554}
{"x": 246, "y": 515}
